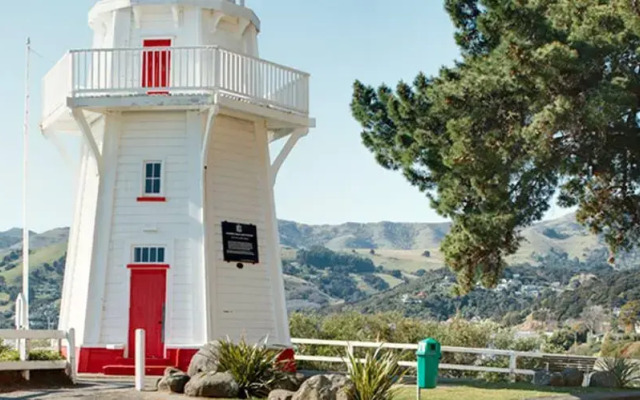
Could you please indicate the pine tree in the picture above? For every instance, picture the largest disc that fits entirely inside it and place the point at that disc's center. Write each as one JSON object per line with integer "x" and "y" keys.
{"x": 545, "y": 98}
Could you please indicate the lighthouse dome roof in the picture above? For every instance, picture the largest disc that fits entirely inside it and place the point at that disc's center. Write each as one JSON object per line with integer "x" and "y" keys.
{"x": 228, "y": 7}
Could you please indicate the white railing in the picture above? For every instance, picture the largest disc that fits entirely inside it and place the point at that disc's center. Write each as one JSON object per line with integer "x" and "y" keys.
{"x": 349, "y": 347}
{"x": 175, "y": 71}
{"x": 24, "y": 337}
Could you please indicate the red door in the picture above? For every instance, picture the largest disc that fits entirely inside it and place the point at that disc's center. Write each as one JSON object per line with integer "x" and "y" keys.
{"x": 146, "y": 309}
{"x": 156, "y": 65}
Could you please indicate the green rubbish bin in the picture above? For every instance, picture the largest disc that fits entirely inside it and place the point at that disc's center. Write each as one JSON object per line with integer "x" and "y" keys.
{"x": 428, "y": 355}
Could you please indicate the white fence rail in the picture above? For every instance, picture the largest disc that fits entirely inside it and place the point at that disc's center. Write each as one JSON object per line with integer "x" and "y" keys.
{"x": 24, "y": 338}
{"x": 175, "y": 71}
{"x": 349, "y": 347}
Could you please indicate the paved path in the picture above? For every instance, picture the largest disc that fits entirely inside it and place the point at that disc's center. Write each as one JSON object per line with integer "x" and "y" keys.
{"x": 102, "y": 389}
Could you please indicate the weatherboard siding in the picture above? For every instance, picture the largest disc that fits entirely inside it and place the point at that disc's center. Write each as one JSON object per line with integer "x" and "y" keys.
{"x": 150, "y": 136}
{"x": 236, "y": 190}
{"x": 80, "y": 248}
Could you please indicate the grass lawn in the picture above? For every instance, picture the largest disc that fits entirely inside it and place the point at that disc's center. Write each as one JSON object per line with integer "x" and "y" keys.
{"x": 488, "y": 391}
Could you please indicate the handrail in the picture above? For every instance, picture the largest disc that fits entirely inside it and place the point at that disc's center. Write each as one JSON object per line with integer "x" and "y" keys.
{"x": 188, "y": 70}
{"x": 169, "y": 48}
{"x": 24, "y": 336}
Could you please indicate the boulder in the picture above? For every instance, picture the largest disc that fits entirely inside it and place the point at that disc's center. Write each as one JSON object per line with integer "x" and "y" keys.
{"x": 212, "y": 384}
{"x": 290, "y": 382}
{"x": 572, "y": 377}
{"x": 325, "y": 387}
{"x": 556, "y": 379}
{"x": 281, "y": 394}
{"x": 542, "y": 378}
{"x": 604, "y": 379}
{"x": 315, "y": 388}
{"x": 205, "y": 360}
{"x": 173, "y": 380}
{"x": 341, "y": 387}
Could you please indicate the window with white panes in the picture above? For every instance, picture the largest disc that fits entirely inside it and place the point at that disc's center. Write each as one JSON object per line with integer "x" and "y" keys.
{"x": 148, "y": 254}
{"x": 152, "y": 178}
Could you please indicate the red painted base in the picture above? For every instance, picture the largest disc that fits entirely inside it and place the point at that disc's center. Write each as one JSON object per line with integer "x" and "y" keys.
{"x": 181, "y": 357}
{"x": 93, "y": 360}
{"x": 96, "y": 360}
{"x": 287, "y": 358}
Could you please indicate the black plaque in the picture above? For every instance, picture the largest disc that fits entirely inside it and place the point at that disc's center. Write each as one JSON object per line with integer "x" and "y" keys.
{"x": 240, "y": 242}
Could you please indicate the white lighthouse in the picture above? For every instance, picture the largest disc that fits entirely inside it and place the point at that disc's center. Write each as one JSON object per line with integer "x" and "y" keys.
{"x": 174, "y": 228}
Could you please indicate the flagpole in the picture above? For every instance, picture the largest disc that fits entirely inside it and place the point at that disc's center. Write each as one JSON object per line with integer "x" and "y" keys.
{"x": 25, "y": 228}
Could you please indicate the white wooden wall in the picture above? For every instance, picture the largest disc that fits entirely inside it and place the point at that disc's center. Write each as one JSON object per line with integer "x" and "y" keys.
{"x": 196, "y": 26}
{"x": 75, "y": 295}
{"x": 151, "y": 136}
{"x": 243, "y": 300}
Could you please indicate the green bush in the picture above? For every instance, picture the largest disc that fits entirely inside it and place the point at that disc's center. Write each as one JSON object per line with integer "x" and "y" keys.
{"x": 9, "y": 355}
{"x": 374, "y": 378}
{"x": 45, "y": 355}
{"x": 254, "y": 367}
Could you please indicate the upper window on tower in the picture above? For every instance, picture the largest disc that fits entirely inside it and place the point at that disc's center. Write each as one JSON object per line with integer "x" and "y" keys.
{"x": 152, "y": 185}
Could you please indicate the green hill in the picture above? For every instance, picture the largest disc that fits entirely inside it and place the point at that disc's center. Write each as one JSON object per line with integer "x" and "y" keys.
{"x": 402, "y": 245}
{"x": 399, "y": 254}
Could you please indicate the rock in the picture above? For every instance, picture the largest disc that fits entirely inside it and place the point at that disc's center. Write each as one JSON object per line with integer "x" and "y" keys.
{"x": 542, "y": 378}
{"x": 172, "y": 371}
{"x": 290, "y": 382}
{"x": 572, "y": 377}
{"x": 212, "y": 384}
{"x": 340, "y": 387}
{"x": 556, "y": 379}
{"x": 325, "y": 387}
{"x": 281, "y": 394}
{"x": 205, "y": 360}
{"x": 315, "y": 388}
{"x": 603, "y": 379}
{"x": 173, "y": 380}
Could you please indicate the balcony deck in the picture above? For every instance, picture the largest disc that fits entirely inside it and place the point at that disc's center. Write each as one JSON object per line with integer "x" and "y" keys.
{"x": 101, "y": 79}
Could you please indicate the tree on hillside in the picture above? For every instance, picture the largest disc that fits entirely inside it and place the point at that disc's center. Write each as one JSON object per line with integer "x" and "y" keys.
{"x": 545, "y": 98}
{"x": 593, "y": 317}
{"x": 629, "y": 315}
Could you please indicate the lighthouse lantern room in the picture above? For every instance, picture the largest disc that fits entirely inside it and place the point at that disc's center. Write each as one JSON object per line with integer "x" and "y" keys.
{"x": 174, "y": 228}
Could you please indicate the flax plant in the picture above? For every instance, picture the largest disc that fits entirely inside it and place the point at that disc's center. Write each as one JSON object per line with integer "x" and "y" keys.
{"x": 374, "y": 376}
{"x": 253, "y": 366}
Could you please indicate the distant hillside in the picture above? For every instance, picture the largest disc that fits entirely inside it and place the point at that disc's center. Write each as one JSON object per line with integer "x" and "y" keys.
{"x": 401, "y": 245}
{"x": 10, "y": 237}
{"x": 400, "y": 255}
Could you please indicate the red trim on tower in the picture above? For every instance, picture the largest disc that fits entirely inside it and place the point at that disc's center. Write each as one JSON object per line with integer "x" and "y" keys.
{"x": 93, "y": 359}
{"x": 181, "y": 358}
{"x": 148, "y": 266}
{"x": 152, "y": 199}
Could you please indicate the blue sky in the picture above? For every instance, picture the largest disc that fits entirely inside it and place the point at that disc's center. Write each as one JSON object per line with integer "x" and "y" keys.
{"x": 329, "y": 177}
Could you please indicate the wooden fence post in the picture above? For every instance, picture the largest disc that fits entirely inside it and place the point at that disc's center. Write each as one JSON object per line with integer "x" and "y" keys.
{"x": 71, "y": 353}
{"x": 513, "y": 363}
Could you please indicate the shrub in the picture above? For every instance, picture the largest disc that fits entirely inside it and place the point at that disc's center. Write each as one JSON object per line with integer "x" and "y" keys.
{"x": 44, "y": 355}
{"x": 254, "y": 367}
{"x": 374, "y": 378}
{"x": 9, "y": 355}
{"x": 625, "y": 370}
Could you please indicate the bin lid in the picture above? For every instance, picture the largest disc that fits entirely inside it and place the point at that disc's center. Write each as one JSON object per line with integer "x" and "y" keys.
{"x": 428, "y": 346}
